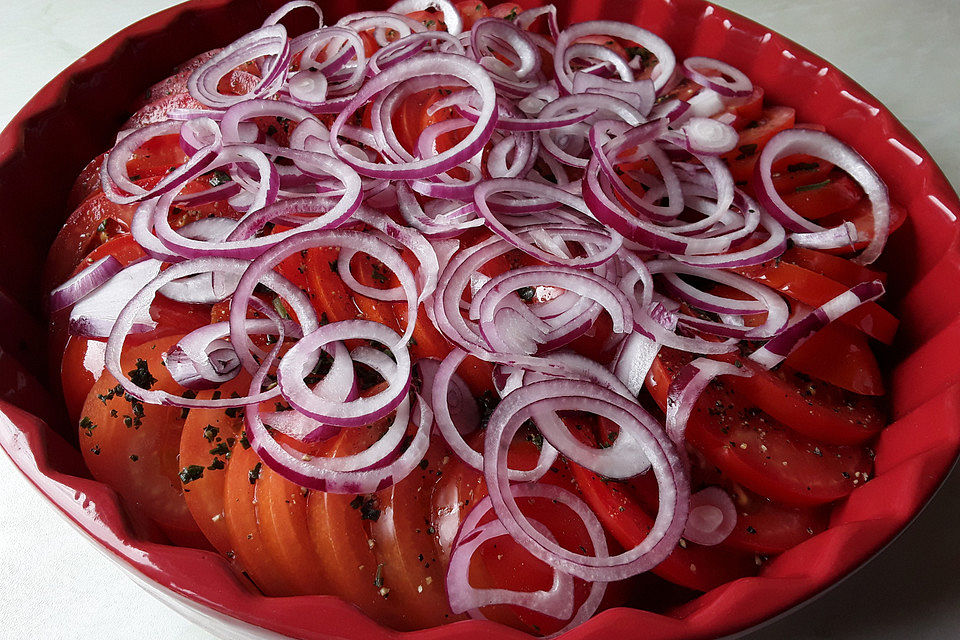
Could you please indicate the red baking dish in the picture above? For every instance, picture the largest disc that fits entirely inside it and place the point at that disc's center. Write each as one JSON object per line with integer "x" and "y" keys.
{"x": 88, "y": 102}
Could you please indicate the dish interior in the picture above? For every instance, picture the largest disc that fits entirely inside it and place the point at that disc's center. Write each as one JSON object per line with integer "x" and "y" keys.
{"x": 75, "y": 117}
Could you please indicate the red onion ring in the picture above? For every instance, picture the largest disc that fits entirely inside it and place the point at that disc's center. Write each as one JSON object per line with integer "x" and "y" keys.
{"x": 822, "y": 145}
{"x": 661, "y": 72}
{"x": 713, "y": 517}
{"x": 776, "y": 350}
{"x": 733, "y": 83}
{"x": 85, "y": 282}
{"x": 437, "y": 64}
{"x": 689, "y": 384}
{"x": 666, "y": 465}
{"x": 440, "y": 403}
{"x": 268, "y": 42}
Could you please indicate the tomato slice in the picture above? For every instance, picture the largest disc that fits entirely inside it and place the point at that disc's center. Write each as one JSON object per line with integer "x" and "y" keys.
{"x": 755, "y": 450}
{"x": 91, "y": 224}
{"x": 753, "y": 137}
{"x": 815, "y": 409}
{"x": 814, "y": 289}
{"x": 607, "y": 42}
{"x": 86, "y": 184}
{"x": 861, "y": 215}
{"x": 595, "y": 342}
{"x": 765, "y": 526}
{"x": 841, "y": 356}
{"x": 82, "y": 365}
{"x": 834, "y": 267}
{"x": 74, "y": 360}
{"x": 432, "y": 20}
{"x": 506, "y": 10}
{"x": 96, "y": 220}
{"x": 282, "y": 515}
{"x": 134, "y": 447}
{"x": 470, "y": 11}
{"x": 501, "y": 562}
{"x": 746, "y": 109}
{"x": 405, "y": 543}
{"x": 158, "y": 110}
{"x": 341, "y": 536}
{"x": 690, "y": 565}
{"x": 243, "y": 527}
{"x": 836, "y": 192}
{"x": 330, "y": 296}
{"x": 71, "y": 359}
{"x": 799, "y": 170}
{"x": 371, "y": 272}
{"x": 206, "y": 448}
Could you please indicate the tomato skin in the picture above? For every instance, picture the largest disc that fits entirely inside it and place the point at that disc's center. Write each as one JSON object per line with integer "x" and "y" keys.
{"x": 76, "y": 362}
{"x": 82, "y": 364}
{"x": 82, "y": 233}
{"x": 140, "y": 461}
{"x": 86, "y": 184}
{"x": 97, "y": 220}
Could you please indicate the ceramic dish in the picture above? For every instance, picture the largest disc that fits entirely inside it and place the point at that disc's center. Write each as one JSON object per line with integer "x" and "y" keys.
{"x": 88, "y": 102}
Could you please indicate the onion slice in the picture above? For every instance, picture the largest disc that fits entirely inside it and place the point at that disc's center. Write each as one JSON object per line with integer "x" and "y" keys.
{"x": 822, "y": 145}
{"x": 82, "y": 284}
{"x": 666, "y": 465}
{"x": 712, "y": 518}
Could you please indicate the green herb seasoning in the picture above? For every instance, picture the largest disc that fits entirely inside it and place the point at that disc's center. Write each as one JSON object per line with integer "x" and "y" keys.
{"x": 190, "y": 473}
{"x": 254, "y": 474}
{"x": 140, "y": 376}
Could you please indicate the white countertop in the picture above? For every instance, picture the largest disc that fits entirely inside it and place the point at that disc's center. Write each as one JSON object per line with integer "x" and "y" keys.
{"x": 55, "y": 584}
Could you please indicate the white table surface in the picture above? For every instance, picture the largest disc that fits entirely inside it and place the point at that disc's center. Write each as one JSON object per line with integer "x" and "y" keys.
{"x": 55, "y": 584}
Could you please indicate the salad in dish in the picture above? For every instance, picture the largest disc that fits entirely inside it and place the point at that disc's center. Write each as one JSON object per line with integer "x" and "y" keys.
{"x": 452, "y": 313}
